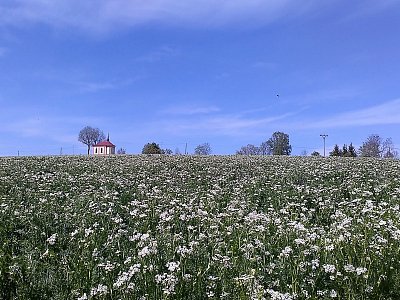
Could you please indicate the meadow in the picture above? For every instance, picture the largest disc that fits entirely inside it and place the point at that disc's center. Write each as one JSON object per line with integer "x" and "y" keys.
{"x": 197, "y": 227}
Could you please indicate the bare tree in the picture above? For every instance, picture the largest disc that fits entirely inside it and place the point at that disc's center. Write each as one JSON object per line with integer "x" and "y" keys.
{"x": 121, "y": 151}
{"x": 303, "y": 152}
{"x": 203, "y": 149}
{"x": 263, "y": 149}
{"x": 249, "y": 150}
{"x": 167, "y": 151}
{"x": 372, "y": 147}
{"x": 91, "y": 136}
{"x": 388, "y": 150}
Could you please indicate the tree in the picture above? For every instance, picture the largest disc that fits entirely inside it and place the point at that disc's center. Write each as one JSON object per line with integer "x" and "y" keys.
{"x": 263, "y": 149}
{"x": 91, "y": 136}
{"x": 167, "y": 151}
{"x": 278, "y": 144}
{"x": 152, "y": 148}
{"x": 203, "y": 149}
{"x": 388, "y": 149}
{"x": 249, "y": 150}
{"x": 303, "y": 152}
{"x": 315, "y": 153}
{"x": 345, "y": 151}
{"x": 372, "y": 147}
{"x": 336, "y": 151}
{"x": 352, "y": 151}
{"x": 121, "y": 151}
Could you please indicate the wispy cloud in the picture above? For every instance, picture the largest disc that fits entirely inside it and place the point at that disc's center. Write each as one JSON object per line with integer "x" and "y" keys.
{"x": 190, "y": 110}
{"x": 220, "y": 124}
{"x": 105, "y": 15}
{"x": 383, "y": 114}
{"x": 159, "y": 54}
{"x": 55, "y": 128}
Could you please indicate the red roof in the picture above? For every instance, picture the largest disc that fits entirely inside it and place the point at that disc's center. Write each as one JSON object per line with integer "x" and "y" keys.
{"x": 104, "y": 143}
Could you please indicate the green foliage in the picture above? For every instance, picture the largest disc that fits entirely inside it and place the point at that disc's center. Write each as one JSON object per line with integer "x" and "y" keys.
{"x": 352, "y": 151}
{"x": 152, "y": 148}
{"x": 279, "y": 144}
{"x": 336, "y": 151}
{"x": 344, "y": 152}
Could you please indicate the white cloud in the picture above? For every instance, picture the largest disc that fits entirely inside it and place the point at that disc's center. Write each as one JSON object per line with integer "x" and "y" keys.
{"x": 106, "y": 15}
{"x": 383, "y": 114}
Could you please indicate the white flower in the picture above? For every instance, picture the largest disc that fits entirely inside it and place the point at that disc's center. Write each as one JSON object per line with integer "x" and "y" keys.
{"x": 52, "y": 239}
{"x": 330, "y": 247}
{"x": 279, "y": 296}
{"x": 172, "y": 266}
{"x": 88, "y": 232}
{"x": 101, "y": 289}
{"x": 83, "y": 297}
{"x": 145, "y": 251}
{"x": 349, "y": 268}
{"x": 299, "y": 241}
{"x": 329, "y": 268}
{"x": 333, "y": 294}
{"x": 361, "y": 271}
{"x": 314, "y": 264}
{"x": 286, "y": 252}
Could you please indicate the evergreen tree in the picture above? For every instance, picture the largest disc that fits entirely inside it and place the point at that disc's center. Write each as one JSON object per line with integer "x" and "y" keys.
{"x": 352, "y": 151}
{"x": 345, "y": 152}
{"x": 336, "y": 151}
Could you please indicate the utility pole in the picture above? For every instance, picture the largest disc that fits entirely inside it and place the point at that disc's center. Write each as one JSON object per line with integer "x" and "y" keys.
{"x": 324, "y": 137}
{"x": 185, "y": 148}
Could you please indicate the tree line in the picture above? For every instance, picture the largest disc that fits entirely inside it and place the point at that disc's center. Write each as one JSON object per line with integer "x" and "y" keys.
{"x": 277, "y": 144}
{"x": 373, "y": 146}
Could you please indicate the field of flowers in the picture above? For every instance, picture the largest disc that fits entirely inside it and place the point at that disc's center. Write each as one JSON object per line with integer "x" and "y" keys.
{"x": 186, "y": 227}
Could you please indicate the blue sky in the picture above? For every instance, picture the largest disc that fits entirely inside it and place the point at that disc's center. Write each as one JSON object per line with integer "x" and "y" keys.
{"x": 177, "y": 72}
